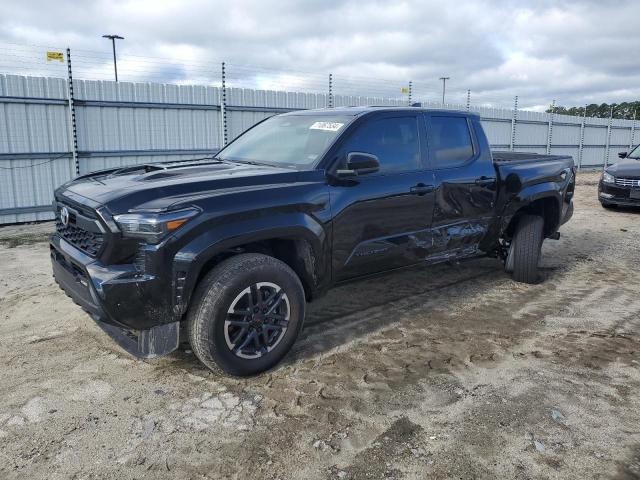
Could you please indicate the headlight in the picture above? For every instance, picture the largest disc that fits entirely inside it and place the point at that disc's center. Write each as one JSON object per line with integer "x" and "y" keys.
{"x": 152, "y": 227}
{"x": 608, "y": 178}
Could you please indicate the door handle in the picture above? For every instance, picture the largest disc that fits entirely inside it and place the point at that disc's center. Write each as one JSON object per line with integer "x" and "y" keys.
{"x": 422, "y": 189}
{"x": 485, "y": 181}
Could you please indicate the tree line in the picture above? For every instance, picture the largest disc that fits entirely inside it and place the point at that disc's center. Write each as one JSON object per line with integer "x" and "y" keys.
{"x": 624, "y": 110}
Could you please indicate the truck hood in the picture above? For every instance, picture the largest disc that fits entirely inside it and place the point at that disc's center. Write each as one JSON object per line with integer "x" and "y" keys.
{"x": 164, "y": 186}
{"x": 627, "y": 168}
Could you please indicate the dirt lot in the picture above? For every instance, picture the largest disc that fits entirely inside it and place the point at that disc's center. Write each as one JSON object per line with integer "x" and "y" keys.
{"x": 452, "y": 371}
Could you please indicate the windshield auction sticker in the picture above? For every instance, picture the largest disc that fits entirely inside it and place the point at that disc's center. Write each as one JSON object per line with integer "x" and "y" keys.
{"x": 329, "y": 126}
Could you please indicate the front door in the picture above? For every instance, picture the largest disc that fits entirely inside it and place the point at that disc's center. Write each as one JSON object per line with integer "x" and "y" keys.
{"x": 466, "y": 185}
{"x": 382, "y": 219}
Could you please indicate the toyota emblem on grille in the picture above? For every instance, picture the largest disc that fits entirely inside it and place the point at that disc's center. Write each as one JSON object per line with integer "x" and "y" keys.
{"x": 64, "y": 216}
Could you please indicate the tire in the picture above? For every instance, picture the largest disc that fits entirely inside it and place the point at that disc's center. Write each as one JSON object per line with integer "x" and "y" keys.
{"x": 216, "y": 334}
{"x": 526, "y": 248}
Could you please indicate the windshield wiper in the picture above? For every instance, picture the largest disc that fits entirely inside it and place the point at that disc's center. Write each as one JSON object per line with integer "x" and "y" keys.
{"x": 248, "y": 162}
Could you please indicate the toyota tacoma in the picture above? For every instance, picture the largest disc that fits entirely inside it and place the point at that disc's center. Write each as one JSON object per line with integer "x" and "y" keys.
{"x": 225, "y": 252}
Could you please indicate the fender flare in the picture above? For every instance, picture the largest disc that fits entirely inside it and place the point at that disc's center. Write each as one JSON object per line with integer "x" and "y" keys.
{"x": 189, "y": 261}
{"x": 527, "y": 196}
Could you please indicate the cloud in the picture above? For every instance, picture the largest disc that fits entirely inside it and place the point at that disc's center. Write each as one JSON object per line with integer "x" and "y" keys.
{"x": 574, "y": 52}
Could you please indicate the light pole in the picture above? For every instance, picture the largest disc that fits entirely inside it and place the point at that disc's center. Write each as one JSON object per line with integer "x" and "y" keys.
{"x": 444, "y": 86}
{"x": 113, "y": 39}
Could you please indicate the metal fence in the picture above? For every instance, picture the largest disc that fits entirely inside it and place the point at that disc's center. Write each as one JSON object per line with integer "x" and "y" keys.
{"x": 52, "y": 129}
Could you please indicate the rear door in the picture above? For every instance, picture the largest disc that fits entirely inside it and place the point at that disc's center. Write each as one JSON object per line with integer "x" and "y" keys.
{"x": 465, "y": 180}
{"x": 382, "y": 220}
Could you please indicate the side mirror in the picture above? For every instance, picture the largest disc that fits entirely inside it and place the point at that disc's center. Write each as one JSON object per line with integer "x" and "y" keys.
{"x": 359, "y": 163}
{"x": 622, "y": 155}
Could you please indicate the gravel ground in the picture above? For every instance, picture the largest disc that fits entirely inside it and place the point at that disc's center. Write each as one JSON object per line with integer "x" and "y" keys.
{"x": 449, "y": 371}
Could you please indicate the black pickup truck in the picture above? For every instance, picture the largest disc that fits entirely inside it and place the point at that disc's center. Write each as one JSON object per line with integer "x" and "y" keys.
{"x": 225, "y": 252}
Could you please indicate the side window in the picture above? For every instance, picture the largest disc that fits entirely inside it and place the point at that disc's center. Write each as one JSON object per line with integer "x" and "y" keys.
{"x": 450, "y": 141}
{"x": 393, "y": 140}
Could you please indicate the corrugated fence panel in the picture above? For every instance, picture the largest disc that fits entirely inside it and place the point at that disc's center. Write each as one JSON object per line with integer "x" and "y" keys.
{"x": 34, "y": 141}
{"x": 238, "y": 121}
{"x": 120, "y": 124}
{"x": 573, "y": 151}
{"x": 146, "y": 118}
{"x": 592, "y": 157}
{"x": 532, "y": 131}
{"x": 496, "y": 123}
{"x": 620, "y": 135}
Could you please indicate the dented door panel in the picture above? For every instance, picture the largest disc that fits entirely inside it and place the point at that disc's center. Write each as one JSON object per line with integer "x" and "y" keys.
{"x": 464, "y": 199}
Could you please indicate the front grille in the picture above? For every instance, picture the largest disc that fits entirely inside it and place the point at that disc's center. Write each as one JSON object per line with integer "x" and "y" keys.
{"x": 82, "y": 230}
{"x": 628, "y": 182}
{"x": 89, "y": 242}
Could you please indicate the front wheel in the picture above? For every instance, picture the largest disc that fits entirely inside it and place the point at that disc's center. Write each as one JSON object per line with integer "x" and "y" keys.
{"x": 246, "y": 314}
{"x": 525, "y": 251}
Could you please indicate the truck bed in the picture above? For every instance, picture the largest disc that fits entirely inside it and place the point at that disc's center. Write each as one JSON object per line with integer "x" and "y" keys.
{"x": 524, "y": 157}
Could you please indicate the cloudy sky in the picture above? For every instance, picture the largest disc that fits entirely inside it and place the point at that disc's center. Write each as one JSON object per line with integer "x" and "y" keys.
{"x": 573, "y": 51}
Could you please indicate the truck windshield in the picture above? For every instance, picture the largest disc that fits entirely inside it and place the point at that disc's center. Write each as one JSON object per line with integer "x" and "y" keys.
{"x": 295, "y": 141}
{"x": 635, "y": 153}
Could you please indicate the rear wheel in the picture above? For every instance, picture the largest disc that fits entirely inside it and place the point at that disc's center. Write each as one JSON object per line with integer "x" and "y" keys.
{"x": 525, "y": 250}
{"x": 246, "y": 314}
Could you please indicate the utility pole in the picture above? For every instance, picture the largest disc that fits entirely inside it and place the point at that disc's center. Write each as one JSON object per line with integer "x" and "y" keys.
{"x": 444, "y": 86}
{"x": 113, "y": 39}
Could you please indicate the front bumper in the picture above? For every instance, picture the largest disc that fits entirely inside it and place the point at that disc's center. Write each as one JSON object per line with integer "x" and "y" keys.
{"x": 617, "y": 195}
{"x": 118, "y": 298}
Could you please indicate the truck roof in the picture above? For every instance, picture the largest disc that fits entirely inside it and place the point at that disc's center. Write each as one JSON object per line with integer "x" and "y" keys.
{"x": 357, "y": 111}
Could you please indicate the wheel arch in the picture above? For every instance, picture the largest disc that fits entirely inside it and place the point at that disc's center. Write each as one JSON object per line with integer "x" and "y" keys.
{"x": 537, "y": 200}
{"x": 296, "y": 252}
{"x": 303, "y": 247}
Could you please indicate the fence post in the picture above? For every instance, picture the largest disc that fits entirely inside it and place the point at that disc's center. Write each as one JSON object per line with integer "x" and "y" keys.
{"x": 581, "y": 147}
{"x": 633, "y": 130}
{"x": 468, "y": 100}
{"x": 73, "y": 130}
{"x": 608, "y": 147}
{"x": 410, "y": 91}
{"x": 330, "y": 90}
{"x": 223, "y": 106}
{"x": 514, "y": 119}
{"x": 550, "y": 130}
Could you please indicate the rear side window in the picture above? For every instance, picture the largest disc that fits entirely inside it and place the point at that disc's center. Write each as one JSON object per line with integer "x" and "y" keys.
{"x": 450, "y": 141}
{"x": 393, "y": 140}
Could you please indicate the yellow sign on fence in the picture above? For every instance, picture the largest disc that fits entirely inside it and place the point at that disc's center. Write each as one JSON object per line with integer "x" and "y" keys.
{"x": 404, "y": 90}
{"x": 55, "y": 56}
